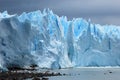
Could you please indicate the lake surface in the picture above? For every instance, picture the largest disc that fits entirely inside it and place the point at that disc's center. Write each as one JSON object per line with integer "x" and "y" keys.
{"x": 88, "y": 74}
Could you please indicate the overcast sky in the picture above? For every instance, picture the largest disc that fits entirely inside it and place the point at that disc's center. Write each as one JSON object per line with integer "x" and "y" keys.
{"x": 99, "y": 11}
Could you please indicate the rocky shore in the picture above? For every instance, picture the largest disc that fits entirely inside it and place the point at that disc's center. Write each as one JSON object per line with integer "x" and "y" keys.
{"x": 25, "y": 74}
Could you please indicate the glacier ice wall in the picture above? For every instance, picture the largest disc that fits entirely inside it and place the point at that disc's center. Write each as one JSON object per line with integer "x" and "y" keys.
{"x": 49, "y": 41}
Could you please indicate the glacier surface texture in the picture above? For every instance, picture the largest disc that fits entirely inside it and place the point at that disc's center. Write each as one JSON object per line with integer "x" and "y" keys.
{"x": 49, "y": 41}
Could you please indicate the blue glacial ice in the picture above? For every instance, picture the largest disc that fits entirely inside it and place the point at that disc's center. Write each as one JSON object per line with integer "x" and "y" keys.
{"x": 49, "y": 41}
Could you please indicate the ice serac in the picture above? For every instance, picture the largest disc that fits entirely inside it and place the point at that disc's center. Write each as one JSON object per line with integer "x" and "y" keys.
{"x": 49, "y": 41}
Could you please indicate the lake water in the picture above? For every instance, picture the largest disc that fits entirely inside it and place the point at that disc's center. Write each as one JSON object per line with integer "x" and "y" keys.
{"x": 88, "y": 74}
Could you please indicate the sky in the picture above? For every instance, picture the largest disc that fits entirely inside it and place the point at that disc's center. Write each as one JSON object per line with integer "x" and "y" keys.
{"x": 99, "y": 11}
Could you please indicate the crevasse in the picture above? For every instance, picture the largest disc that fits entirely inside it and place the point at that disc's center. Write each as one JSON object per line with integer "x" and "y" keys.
{"x": 49, "y": 41}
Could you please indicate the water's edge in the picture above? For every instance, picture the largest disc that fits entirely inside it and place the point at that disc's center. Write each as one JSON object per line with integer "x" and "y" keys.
{"x": 84, "y": 73}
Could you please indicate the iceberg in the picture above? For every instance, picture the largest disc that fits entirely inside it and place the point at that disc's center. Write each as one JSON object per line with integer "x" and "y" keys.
{"x": 49, "y": 41}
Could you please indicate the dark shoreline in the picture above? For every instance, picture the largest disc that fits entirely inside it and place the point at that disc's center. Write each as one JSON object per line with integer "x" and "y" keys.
{"x": 27, "y": 74}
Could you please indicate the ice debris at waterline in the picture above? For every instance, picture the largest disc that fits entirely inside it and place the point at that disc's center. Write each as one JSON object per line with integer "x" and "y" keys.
{"x": 49, "y": 41}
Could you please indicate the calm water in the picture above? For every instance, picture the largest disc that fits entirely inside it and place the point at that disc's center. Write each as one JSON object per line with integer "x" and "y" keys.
{"x": 88, "y": 74}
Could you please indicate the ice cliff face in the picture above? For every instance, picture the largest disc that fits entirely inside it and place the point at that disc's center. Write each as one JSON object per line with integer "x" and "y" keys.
{"x": 49, "y": 41}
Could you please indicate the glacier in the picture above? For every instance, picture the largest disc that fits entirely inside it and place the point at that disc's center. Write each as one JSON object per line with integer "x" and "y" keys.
{"x": 49, "y": 41}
